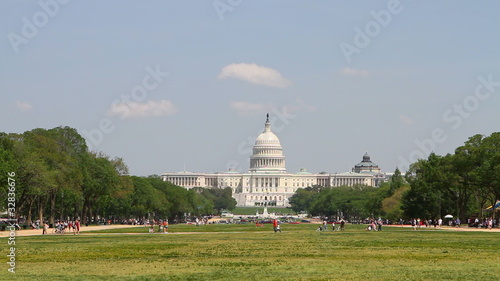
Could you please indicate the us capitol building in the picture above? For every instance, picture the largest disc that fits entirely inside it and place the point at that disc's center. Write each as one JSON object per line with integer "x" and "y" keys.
{"x": 267, "y": 183}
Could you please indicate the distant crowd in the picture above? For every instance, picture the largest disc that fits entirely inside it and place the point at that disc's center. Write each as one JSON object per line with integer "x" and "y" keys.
{"x": 487, "y": 223}
{"x": 63, "y": 227}
{"x": 340, "y": 225}
{"x": 73, "y": 226}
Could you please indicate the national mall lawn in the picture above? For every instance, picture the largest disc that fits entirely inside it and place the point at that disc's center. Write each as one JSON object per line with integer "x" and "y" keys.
{"x": 248, "y": 252}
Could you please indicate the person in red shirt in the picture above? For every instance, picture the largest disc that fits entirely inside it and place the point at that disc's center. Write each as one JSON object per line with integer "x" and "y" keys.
{"x": 275, "y": 225}
{"x": 77, "y": 224}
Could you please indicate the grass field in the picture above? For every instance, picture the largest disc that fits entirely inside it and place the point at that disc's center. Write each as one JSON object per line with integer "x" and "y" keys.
{"x": 247, "y": 252}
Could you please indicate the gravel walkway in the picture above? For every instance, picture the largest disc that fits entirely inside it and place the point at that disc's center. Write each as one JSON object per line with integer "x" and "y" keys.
{"x": 31, "y": 232}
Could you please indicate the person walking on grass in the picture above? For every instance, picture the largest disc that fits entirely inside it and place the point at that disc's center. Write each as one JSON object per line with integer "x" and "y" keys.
{"x": 77, "y": 224}
{"x": 275, "y": 225}
{"x": 45, "y": 228}
{"x": 165, "y": 226}
{"x": 342, "y": 225}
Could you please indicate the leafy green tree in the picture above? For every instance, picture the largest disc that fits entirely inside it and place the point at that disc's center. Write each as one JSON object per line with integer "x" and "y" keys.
{"x": 303, "y": 198}
{"x": 422, "y": 200}
{"x": 392, "y": 204}
{"x": 201, "y": 204}
{"x": 148, "y": 201}
{"x": 7, "y": 162}
{"x": 56, "y": 148}
{"x": 325, "y": 203}
{"x": 100, "y": 179}
{"x": 352, "y": 202}
{"x": 396, "y": 182}
{"x": 32, "y": 176}
{"x": 222, "y": 198}
{"x": 118, "y": 204}
{"x": 489, "y": 171}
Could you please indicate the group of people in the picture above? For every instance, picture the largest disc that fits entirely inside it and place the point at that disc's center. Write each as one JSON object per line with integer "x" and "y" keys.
{"x": 162, "y": 226}
{"x": 437, "y": 223}
{"x": 375, "y": 225}
{"x": 35, "y": 224}
{"x": 487, "y": 223}
{"x": 63, "y": 227}
{"x": 202, "y": 221}
{"x": 340, "y": 226}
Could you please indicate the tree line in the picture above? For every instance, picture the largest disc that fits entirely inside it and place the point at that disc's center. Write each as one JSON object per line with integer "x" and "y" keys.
{"x": 57, "y": 177}
{"x": 463, "y": 184}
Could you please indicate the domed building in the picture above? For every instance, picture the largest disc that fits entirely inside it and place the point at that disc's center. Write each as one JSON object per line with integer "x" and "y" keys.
{"x": 267, "y": 182}
{"x": 366, "y": 166}
{"x": 267, "y": 152}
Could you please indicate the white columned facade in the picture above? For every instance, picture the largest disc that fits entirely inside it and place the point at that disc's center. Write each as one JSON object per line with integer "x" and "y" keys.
{"x": 267, "y": 183}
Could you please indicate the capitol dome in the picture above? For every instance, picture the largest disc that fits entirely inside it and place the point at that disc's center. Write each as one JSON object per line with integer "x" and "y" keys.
{"x": 267, "y": 138}
{"x": 267, "y": 152}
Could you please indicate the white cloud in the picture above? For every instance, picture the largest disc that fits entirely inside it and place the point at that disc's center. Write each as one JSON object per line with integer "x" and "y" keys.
{"x": 406, "y": 120}
{"x": 24, "y": 106}
{"x": 255, "y": 74}
{"x": 146, "y": 109}
{"x": 355, "y": 72}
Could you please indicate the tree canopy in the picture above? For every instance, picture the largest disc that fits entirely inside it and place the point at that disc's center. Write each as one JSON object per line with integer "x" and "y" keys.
{"x": 463, "y": 184}
{"x": 58, "y": 178}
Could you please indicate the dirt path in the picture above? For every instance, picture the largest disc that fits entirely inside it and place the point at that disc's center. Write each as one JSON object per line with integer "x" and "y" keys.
{"x": 449, "y": 228}
{"x": 31, "y": 232}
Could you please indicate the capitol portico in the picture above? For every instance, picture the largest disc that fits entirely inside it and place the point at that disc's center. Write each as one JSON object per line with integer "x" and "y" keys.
{"x": 267, "y": 183}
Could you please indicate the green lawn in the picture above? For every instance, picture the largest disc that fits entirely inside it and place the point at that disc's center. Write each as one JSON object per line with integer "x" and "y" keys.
{"x": 247, "y": 252}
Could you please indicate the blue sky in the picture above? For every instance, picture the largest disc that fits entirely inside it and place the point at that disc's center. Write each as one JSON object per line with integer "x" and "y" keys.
{"x": 168, "y": 84}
